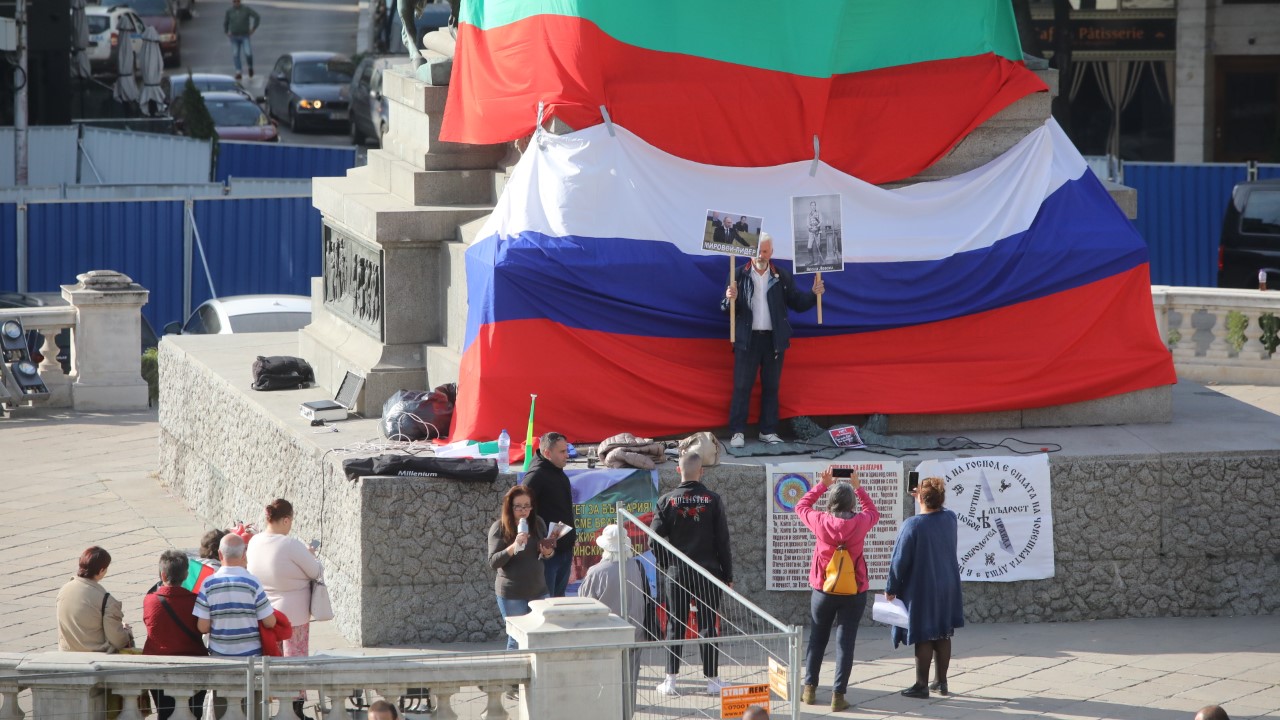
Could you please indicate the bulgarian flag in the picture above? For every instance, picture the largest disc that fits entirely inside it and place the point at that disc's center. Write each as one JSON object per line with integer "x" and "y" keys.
{"x": 197, "y": 573}
{"x": 886, "y": 87}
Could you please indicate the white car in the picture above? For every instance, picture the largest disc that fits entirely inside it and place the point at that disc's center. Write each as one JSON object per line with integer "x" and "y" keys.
{"x": 108, "y": 27}
{"x": 246, "y": 314}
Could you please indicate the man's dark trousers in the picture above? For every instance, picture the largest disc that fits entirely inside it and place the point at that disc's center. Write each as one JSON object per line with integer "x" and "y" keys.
{"x": 757, "y": 357}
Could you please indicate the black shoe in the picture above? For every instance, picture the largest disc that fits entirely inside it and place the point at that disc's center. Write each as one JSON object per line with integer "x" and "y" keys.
{"x": 939, "y": 686}
{"x": 250, "y": 72}
{"x": 916, "y": 691}
{"x": 298, "y": 705}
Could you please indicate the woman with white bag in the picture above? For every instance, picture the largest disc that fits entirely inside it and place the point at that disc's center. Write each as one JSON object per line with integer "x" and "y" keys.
{"x": 925, "y": 574}
{"x": 838, "y": 577}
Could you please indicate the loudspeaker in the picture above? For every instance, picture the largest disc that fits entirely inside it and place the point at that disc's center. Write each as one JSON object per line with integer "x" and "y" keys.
{"x": 49, "y": 26}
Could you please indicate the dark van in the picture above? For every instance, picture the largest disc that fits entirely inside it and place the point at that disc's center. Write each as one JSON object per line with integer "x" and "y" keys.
{"x": 1251, "y": 236}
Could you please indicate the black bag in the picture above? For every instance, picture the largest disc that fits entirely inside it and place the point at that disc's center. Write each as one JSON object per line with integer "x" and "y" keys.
{"x": 469, "y": 469}
{"x": 414, "y": 415}
{"x": 281, "y": 372}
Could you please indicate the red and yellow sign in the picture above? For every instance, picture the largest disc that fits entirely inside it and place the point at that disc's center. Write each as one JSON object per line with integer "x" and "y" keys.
{"x": 735, "y": 699}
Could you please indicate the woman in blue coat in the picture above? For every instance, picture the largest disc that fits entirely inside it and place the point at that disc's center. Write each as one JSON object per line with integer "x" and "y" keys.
{"x": 925, "y": 574}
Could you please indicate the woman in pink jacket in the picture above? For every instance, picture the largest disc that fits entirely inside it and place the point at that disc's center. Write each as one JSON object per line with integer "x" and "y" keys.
{"x": 838, "y": 526}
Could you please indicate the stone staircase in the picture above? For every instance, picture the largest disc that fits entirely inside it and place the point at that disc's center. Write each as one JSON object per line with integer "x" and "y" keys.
{"x": 409, "y": 202}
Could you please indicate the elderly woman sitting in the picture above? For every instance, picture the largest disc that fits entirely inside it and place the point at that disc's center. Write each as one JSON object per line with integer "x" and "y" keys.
{"x": 89, "y": 619}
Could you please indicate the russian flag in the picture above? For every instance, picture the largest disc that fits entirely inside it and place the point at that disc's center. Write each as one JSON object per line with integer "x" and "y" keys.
{"x": 1019, "y": 284}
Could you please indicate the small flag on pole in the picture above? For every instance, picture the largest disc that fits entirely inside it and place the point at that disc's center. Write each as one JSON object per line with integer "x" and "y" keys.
{"x": 528, "y": 437}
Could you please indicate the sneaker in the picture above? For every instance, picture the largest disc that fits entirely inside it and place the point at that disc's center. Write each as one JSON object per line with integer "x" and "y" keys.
{"x": 668, "y": 686}
{"x": 715, "y": 685}
{"x": 250, "y": 72}
{"x": 237, "y": 75}
{"x": 771, "y": 438}
{"x": 738, "y": 440}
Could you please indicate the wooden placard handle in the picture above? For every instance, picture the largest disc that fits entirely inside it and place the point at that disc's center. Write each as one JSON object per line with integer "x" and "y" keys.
{"x": 818, "y": 276}
{"x": 733, "y": 308}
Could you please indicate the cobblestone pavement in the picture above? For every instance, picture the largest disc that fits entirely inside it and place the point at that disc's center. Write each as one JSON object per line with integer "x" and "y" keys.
{"x": 74, "y": 480}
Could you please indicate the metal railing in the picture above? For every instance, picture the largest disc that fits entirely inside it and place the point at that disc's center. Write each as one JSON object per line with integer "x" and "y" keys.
{"x": 738, "y": 643}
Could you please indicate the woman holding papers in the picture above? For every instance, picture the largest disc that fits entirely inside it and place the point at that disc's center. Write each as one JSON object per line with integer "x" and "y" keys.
{"x": 925, "y": 575}
{"x": 516, "y": 542}
{"x": 839, "y": 528}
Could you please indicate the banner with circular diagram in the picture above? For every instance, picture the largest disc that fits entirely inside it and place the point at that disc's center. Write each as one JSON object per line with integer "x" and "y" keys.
{"x": 789, "y": 544}
{"x": 1005, "y": 512}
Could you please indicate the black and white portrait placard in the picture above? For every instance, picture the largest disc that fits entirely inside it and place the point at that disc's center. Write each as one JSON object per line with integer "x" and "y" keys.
{"x": 1005, "y": 512}
{"x": 817, "y": 233}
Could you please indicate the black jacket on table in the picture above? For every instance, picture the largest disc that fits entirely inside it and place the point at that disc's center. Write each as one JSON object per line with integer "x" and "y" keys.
{"x": 553, "y": 496}
{"x": 781, "y": 294}
{"x": 692, "y": 518}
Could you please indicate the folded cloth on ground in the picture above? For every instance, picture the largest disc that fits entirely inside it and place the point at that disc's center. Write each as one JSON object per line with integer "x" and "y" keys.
{"x": 419, "y": 466}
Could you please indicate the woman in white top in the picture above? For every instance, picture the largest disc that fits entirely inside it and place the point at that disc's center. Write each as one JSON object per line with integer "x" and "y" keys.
{"x": 285, "y": 567}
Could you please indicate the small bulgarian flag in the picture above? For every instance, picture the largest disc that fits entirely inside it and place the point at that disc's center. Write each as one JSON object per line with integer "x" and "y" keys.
{"x": 528, "y": 436}
{"x": 197, "y": 573}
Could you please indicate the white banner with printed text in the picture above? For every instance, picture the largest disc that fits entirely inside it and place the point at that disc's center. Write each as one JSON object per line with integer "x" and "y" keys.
{"x": 1005, "y": 512}
{"x": 789, "y": 544}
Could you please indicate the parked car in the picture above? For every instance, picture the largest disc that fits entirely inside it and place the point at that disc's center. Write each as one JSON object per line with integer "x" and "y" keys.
{"x": 161, "y": 15}
{"x": 246, "y": 314}
{"x": 108, "y": 27}
{"x": 173, "y": 85}
{"x": 310, "y": 89}
{"x": 1251, "y": 236}
{"x": 368, "y": 107}
{"x": 235, "y": 117}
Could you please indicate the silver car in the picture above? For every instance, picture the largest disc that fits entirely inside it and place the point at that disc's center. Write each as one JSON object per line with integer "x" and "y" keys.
{"x": 246, "y": 314}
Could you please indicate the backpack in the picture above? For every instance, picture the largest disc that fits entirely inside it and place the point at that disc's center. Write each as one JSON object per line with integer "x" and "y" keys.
{"x": 842, "y": 576}
{"x": 281, "y": 372}
{"x": 705, "y": 444}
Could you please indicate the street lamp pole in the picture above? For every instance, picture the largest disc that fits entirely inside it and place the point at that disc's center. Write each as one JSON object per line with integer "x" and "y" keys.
{"x": 20, "y": 83}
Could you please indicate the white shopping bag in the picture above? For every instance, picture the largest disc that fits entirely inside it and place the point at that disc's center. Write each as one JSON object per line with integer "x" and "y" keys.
{"x": 889, "y": 613}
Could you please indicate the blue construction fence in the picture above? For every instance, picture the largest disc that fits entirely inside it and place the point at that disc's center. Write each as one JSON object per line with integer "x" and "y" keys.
{"x": 252, "y": 245}
{"x": 1180, "y": 211}
{"x": 263, "y": 160}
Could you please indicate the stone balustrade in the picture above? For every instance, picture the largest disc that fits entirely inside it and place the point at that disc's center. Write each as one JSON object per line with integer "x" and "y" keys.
{"x": 1220, "y": 336}
{"x": 49, "y": 322}
{"x": 104, "y": 315}
{"x": 76, "y": 685}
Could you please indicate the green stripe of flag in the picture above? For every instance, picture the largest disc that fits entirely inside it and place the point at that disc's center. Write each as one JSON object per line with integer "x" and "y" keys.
{"x": 817, "y": 38}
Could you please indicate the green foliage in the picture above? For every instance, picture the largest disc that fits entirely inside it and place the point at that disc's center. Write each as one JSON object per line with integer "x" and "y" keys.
{"x": 197, "y": 122}
{"x": 1236, "y": 323}
{"x": 1270, "y": 325}
{"x": 151, "y": 373}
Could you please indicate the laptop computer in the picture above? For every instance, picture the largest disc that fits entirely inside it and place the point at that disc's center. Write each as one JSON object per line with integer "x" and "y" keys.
{"x": 342, "y": 403}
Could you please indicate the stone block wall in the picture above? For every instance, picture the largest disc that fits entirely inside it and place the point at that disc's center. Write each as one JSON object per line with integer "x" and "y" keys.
{"x": 1135, "y": 536}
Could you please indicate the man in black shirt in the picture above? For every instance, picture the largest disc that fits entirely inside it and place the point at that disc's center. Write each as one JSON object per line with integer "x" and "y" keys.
{"x": 692, "y": 519}
{"x": 553, "y": 501}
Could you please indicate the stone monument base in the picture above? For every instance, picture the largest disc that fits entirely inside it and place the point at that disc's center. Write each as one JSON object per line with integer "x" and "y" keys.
{"x": 1151, "y": 520}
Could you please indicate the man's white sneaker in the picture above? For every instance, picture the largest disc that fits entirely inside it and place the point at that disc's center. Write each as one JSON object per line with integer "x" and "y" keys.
{"x": 714, "y": 685}
{"x": 771, "y": 438}
{"x": 738, "y": 440}
{"x": 668, "y": 686}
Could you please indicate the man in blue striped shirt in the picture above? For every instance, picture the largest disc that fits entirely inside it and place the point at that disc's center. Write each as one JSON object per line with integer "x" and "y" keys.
{"x": 231, "y": 603}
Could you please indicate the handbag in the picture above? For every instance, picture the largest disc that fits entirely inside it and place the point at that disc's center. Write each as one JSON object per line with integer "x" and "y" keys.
{"x": 841, "y": 577}
{"x": 321, "y": 607}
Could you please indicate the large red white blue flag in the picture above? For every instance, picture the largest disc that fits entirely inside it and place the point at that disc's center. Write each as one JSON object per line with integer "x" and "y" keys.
{"x": 1019, "y": 284}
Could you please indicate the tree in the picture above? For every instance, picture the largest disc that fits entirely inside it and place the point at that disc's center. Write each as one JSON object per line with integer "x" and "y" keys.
{"x": 196, "y": 120}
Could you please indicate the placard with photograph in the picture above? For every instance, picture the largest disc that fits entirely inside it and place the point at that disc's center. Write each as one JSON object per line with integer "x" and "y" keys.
{"x": 789, "y": 544}
{"x": 817, "y": 233}
{"x": 731, "y": 233}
